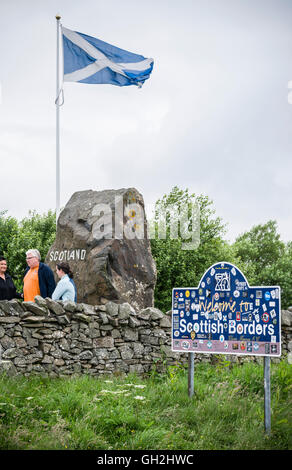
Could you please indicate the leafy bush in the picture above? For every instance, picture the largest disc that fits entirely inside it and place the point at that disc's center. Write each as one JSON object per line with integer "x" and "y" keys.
{"x": 131, "y": 412}
{"x": 259, "y": 253}
{"x": 265, "y": 259}
{"x": 35, "y": 231}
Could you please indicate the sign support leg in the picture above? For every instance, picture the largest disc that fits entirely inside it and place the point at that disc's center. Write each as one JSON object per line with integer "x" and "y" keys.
{"x": 267, "y": 385}
{"x": 191, "y": 374}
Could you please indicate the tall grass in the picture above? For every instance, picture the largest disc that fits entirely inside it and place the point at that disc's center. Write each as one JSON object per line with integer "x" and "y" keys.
{"x": 154, "y": 412}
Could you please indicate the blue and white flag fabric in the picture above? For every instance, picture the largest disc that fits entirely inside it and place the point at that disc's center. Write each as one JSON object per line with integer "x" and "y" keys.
{"x": 90, "y": 60}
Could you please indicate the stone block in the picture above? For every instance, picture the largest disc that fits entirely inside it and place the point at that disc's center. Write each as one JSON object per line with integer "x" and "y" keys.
{"x": 87, "y": 309}
{"x": 165, "y": 322}
{"x": 126, "y": 352}
{"x": 85, "y": 355}
{"x": 133, "y": 322}
{"x": 136, "y": 368}
{"x": 59, "y": 362}
{"x": 144, "y": 314}
{"x": 33, "y": 319}
{"x": 47, "y": 359}
{"x": 16, "y": 305}
{"x": 40, "y": 301}
{"x": 138, "y": 349}
{"x": 8, "y": 308}
{"x": 32, "y": 342}
{"x": 104, "y": 318}
{"x": 109, "y": 267}
{"x": 58, "y": 334}
{"x": 103, "y": 342}
{"x": 106, "y": 328}
{"x": 20, "y": 342}
{"x": 46, "y": 347}
{"x": 114, "y": 321}
{"x": 7, "y": 342}
{"x": 82, "y": 317}
{"x": 9, "y": 320}
{"x": 63, "y": 320}
{"x": 116, "y": 333}
{"x": 159, "y": 333}
{"x": 93, "y": 333}
{"x": 155, "y": 314}
{"x": 102, "y": 354}
{"x": 11, "y": 353}
{"x": 7, "y": 367}
{"x": 55, "y": 307}
{"x": 286, "y": 318}
{"x": 20, "y": 361}
{"x": 125, "y": 311}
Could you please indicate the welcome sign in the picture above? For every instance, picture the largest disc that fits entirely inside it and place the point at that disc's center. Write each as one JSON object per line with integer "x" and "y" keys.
{"x": 224, "y": 315}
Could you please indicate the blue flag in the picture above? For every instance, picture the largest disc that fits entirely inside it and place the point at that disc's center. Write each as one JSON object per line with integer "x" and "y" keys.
{"x": 90, "y": 60}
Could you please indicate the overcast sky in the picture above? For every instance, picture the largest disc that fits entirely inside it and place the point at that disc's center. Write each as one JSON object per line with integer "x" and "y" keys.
{"x": 214, "y": 116}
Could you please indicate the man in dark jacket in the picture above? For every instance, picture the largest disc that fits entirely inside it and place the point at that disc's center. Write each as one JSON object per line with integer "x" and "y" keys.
{"x": 38, "y": 278}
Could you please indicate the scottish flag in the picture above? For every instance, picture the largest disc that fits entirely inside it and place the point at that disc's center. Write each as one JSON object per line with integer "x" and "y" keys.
{"x": 90, "y": 60}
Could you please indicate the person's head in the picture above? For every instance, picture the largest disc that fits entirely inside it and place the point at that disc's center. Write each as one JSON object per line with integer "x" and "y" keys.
{"x": 33, "y": 258}
{"x": 62, "y": 269}
{"x": 3, "y": 265}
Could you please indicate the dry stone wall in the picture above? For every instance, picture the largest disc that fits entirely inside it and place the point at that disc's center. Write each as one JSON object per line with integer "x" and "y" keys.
{"x": 102, "y": 234}
{"x": 65, "y": 338}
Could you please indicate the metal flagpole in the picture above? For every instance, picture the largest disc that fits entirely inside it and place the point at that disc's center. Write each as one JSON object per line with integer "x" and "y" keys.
{"x": 191, "y": 374}
{"x": 58, "y": 122}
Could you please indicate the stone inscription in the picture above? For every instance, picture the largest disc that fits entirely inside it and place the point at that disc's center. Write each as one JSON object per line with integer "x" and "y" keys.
{"x": 68, "y": 255}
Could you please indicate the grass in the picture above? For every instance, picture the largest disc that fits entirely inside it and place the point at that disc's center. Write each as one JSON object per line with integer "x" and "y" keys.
{"x": 154, "y": 412}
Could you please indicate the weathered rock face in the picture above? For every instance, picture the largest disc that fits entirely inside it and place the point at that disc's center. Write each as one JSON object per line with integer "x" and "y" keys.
{"x": 103, "y": 237}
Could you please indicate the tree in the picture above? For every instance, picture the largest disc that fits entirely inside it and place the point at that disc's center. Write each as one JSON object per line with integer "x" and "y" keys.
{"x": 177, "y": 267}
{"x": 265, "y": 259}
{"x": 8, "y": 231}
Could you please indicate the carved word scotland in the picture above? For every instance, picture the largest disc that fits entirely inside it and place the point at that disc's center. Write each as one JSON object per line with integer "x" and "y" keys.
{"x": 68, "y": 255}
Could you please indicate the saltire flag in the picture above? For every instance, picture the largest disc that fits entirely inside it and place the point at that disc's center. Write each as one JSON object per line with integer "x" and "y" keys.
{"x": 90, "y": 60}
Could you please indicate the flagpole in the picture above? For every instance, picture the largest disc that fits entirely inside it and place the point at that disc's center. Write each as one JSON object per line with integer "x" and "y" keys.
{"x": 58, "y": 17}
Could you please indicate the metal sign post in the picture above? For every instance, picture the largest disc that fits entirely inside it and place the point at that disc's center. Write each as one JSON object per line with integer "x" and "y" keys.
{"x": 191, "y": 374}
{"x": 267, "y": 385}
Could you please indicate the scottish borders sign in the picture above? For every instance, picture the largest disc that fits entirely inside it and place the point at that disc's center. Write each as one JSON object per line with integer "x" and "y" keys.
{"x": 224, "y": 315}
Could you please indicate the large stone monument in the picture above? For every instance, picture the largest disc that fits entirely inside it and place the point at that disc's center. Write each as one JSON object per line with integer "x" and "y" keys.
{"x": 103, "y": 237}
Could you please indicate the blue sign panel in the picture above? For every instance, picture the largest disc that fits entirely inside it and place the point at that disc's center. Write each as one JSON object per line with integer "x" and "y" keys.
{"x": 224, "y": 315}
